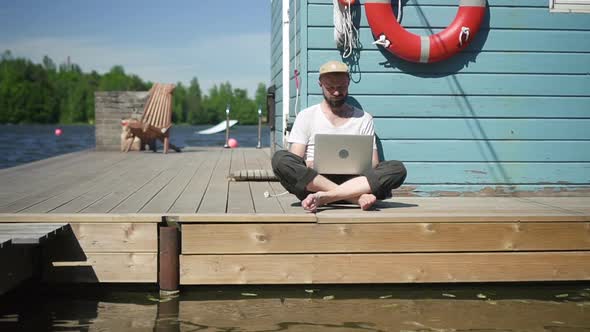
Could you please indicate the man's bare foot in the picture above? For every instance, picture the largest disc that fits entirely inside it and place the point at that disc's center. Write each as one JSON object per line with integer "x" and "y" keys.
{"x": 311, "y": 202}
{"x": 366, "y": 201}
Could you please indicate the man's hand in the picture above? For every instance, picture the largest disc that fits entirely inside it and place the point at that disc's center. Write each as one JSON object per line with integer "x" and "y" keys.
{"x": 309, "y": 163}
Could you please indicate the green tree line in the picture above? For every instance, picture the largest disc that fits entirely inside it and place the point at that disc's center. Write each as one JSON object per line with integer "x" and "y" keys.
{"x": 47, "y": 93}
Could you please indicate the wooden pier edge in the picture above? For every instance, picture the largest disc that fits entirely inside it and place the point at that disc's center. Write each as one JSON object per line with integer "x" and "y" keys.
{"x": 314, "y": 248}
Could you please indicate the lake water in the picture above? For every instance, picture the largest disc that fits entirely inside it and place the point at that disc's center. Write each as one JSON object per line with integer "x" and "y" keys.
{"x": 547, "y": 307}
{"x": 21, "y": 144}
{"x": 555, "y": 307}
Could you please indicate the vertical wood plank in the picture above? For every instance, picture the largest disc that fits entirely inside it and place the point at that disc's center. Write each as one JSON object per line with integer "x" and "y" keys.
{"x": 239, "y": 198}
{"x": 215, "y": 199}
{"x": 190, "y": 199}
{"x": 166, "y": 197}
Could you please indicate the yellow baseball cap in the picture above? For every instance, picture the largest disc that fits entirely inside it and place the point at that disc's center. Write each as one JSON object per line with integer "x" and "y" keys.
{"x": 333, "y": 67}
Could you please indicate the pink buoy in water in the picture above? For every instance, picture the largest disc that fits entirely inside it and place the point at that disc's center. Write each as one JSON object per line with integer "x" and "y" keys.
{"x": 232, "y": 142}
{"x": 58, "y": 132}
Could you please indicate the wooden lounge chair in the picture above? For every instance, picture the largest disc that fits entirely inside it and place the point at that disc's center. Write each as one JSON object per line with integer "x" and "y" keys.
{"x": 156, "y": 120}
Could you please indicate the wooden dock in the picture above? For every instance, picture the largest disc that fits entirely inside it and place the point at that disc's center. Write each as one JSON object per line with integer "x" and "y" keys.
{"x": 231, "y": 233}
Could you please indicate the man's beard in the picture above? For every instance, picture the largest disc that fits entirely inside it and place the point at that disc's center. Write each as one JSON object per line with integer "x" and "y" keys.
{"x": 335, "y": 101}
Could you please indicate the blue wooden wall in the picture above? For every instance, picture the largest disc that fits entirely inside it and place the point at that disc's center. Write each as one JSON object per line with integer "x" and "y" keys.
{"x": 509, "y": 114}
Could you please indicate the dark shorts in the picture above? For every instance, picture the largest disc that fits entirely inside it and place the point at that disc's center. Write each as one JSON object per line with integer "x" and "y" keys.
{"x": 294, "y": 175}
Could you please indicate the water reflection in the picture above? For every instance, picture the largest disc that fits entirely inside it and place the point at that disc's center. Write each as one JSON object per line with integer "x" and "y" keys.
{"x": 514, "y": 307}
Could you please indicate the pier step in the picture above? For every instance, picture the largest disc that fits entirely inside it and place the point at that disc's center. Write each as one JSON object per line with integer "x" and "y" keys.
{"x": 19, "y": 252}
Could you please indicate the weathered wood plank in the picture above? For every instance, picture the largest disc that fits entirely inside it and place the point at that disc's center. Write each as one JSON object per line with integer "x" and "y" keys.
{"x": 105, "y": 267}
{"x": 24, "y": 233}
{"x": 144, "y": 171}
{"x": 137, "y": 200}
{"x": 74, "y": 191}
{"x": 239, "y": 196}
{"x": 80, "y": 174}
{"x": 240, "y": 218}
{"x": 460, "y": 209}
{"x": 215, "y": 198}
{"x": 116, "y": 237}
{"x": 80, "y": 218}
{"x": 127, "y": 171}
{"x": 259, "y": 159}
{"x": 356, "y": 238}
{"x": 166, "y": 197}
{"x": 383, "y": 268}
{"x": 289, "y": 202}
{"x": 191, "y": 197}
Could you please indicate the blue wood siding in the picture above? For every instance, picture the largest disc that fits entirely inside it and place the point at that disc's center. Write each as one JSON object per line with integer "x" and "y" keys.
{"x": 511, "y": 113}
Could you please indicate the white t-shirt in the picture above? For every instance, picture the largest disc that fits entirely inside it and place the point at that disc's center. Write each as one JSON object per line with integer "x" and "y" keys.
{"x": 312, "y": 120}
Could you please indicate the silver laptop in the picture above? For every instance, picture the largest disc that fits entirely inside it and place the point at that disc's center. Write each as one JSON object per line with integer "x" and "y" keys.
{"x": 342, "y": 154}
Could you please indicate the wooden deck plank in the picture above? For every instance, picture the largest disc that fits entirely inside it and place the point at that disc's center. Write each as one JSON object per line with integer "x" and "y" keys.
{"x": 455, "y": 209}
{"x": 166, "y": 197}
{"x": 289, "y": 202}
{"x": 23, "y": 180}
{"x": 75, "y": 191}
{"x": 256, "y": 160}
{"x": 579, "y": 205}
{"x": 355, "y": 238}
{"x": 239, "y": 196}
{"x": 134, "y": 202}
{"x": 383, "y": 268}
{"x": 80, "y": 217}
{"x": 190, "y": 199}
{"x": 215, "y": 198}
{"x": 29, "y": 233}
{"x": 101, "y": 189}
{"x": 143, "y": 171}
{"x": 241, "y": 218}
{"x": 56, "y": 184}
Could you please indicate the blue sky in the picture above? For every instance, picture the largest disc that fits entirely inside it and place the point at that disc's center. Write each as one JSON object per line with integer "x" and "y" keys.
{"x": 164, "y": 41}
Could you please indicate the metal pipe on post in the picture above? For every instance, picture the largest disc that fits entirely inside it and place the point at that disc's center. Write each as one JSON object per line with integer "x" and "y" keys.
{"x": 169, "y": 260}
{"x": 226, "y": 127}
{"x": 259, "y": 127}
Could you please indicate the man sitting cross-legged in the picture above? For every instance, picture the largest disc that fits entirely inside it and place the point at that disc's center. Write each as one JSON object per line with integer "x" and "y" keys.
{"x": 333, "y": 115}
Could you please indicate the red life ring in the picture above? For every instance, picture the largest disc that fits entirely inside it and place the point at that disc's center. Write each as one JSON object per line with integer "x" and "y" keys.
{"x": 415, "y": 48}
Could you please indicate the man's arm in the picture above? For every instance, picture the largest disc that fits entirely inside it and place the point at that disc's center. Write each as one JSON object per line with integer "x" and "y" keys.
{"x": 299, "y": 149}
{"x": 375, "y": 161}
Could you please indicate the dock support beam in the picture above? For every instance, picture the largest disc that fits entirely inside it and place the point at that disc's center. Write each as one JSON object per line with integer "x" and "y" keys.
{"x": 168, "y": 260}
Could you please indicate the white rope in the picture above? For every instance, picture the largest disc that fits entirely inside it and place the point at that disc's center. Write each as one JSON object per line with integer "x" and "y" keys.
{"x": 345, "y": 33}
{"x": 268, "y": 195}
{"x": 399, "y": 11}
{"x": 382, "y": 39}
